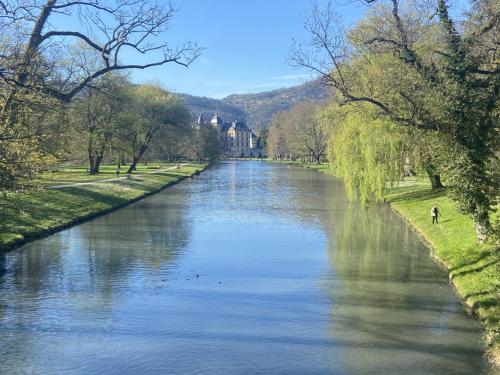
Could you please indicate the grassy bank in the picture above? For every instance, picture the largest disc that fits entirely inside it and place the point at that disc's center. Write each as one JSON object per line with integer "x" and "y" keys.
{"x": 46, "y": 210}
{"x": 474, "y": 270}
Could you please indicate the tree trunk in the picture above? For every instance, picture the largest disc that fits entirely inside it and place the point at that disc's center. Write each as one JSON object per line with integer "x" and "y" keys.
{"x": 136, "y": 159}
{"x": 482, "y": 225}
{"x": 436, "y": 182}
{"x": 434, "y": 177}
{"x": 97, "y": 163}
{"x": 94, "y": 162}
{"x": 91, "y": 163}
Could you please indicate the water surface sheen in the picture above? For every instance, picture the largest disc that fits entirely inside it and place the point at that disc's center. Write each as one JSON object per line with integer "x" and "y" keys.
{"x": 250, "y": 268}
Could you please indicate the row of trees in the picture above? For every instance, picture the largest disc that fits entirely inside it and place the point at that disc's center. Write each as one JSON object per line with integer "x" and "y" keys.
{"x": 61, "y": 90}
{"x": 120, "y": 122}
{"x": 298, "y": 134}
{"x": 414, "y": 88}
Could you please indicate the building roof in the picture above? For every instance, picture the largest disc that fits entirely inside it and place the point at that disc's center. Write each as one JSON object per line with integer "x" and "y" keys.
{"x": 216, "y": 120}
{"x": 239, "y": 126}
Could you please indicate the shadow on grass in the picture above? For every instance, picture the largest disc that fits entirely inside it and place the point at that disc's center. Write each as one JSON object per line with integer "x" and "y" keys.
{"x": 474, "y": 260}
{"x": 476, "y": 269}
{"x": 45, "y": 209}
{"x": 417, "y": 195}
{"x": 479, "y": 294}
{"x": 486, "y": 303}
{"x": 137, "y": 185}
{"x": 92, "y": 195}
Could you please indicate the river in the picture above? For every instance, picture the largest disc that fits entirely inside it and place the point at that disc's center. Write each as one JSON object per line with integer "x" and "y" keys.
{"x": 249, "y": 268}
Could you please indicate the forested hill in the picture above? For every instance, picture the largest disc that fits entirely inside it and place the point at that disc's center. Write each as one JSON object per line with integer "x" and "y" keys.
{"x": 256, "y": 109}
{"x": 208, "y": 106}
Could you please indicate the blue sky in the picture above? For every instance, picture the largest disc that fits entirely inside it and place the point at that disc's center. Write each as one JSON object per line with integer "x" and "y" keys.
{"x": 246, "y": 45}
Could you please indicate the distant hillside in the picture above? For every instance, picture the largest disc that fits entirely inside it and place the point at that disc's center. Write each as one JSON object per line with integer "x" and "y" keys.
{"x": 256, "y": 109}
{"x": 261, "y": 107}
{"x": 209, "y": 106}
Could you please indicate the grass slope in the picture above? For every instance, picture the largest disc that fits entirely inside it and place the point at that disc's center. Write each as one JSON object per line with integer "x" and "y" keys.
{"x": 473, "y": 269}
{"x": 45, "y": 210}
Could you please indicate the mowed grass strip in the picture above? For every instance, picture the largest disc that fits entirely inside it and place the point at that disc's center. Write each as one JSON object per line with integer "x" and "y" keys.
{"x": 45, "y": 210}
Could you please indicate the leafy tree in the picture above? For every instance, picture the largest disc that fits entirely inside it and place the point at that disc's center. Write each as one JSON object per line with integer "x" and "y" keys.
{"x": 368, "y": 152}
{"x": 308, "y": 133}
{"x": 262, "y": 134}
{"x": 455, "y": 76}
{"x": 27, "y": 146}
{"x": 427, "y": 151}
{"x": 173, "y": 142}
{"x": 154, "y": 110}
{"x": 205, "y": 143}
{"x": 94, "y": 116}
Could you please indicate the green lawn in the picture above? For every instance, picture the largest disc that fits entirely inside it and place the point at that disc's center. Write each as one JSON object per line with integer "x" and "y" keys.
{"x": 474, "y": 269}
{"x": 41, "y": 211}
{"x": 72, "y": 174}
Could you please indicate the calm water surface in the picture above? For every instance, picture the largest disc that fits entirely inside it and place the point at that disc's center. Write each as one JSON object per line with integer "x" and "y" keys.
{"x": 250, "y": 268}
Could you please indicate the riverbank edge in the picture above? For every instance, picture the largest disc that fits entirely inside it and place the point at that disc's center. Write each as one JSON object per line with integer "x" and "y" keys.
{"x": 491, "y": 336}
{"x": 77, "y": 220}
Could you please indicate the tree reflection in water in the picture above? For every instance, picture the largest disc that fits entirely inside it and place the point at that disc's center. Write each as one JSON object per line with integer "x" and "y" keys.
{"x": 74, "y": 274}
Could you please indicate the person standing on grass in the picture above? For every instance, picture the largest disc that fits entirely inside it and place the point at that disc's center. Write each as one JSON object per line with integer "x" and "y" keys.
{"x": 434, "y": 214}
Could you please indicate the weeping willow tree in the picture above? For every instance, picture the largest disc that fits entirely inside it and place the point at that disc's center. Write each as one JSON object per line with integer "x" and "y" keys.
{"x": 367, "y": 153}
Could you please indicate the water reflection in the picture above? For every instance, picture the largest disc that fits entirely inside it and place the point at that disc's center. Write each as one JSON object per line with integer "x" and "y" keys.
{"x": 250, "y": 268}
{"x": 389, "y": 292}
{"x": 81, "y": 275}
{"x": 392, "y": 310}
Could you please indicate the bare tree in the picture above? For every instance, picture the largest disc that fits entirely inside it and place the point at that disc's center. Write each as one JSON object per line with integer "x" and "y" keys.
{"x": 312, "y": 136}
{"x": 277, "y": 146}
{"x": 41, "y": 56}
